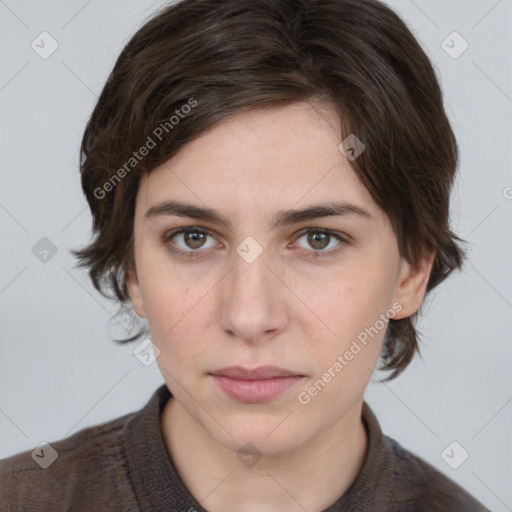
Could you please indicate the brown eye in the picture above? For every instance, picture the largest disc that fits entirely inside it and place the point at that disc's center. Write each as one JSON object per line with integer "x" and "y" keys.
{"x": 190, "y": 240}
{"x": 194, "y": 239}
{"x": 318, "y": 240}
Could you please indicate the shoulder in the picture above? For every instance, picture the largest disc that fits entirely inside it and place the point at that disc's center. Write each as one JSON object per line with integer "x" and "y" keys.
{"x": 421, "y": 487}
{"x": 65, "y": 473}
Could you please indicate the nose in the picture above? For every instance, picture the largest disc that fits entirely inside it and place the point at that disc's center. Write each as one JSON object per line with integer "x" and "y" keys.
{"x": 253, "y": 305}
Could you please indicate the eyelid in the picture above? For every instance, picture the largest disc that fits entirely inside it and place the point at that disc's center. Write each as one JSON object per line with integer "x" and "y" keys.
{"x": 187, "y": 254}
{"x": 342, "y": 238}
{"x": 168, "y": 235}
{"x": 336, "y": 234}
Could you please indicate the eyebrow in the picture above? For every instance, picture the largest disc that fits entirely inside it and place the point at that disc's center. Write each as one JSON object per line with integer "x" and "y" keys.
{"x": 281, "y": 218}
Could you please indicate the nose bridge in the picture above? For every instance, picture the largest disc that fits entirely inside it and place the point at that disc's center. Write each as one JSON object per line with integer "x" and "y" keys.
{"x": 251, "y": 296}
{"x": 249, "y": 277}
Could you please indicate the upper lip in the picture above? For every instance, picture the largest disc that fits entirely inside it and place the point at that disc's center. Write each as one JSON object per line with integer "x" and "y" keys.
{"x": 262, "y": 372}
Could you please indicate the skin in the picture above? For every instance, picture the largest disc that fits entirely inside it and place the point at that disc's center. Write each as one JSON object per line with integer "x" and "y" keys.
{"x": 287, "y": 308}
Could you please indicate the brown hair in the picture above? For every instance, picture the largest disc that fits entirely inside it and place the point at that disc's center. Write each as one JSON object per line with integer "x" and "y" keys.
{"x": 198, "y": 62}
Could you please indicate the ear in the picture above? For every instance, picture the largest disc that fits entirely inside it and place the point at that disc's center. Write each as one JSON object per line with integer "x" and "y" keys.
{"x": 411, "y": 285}
{"x": 132, "y": 283}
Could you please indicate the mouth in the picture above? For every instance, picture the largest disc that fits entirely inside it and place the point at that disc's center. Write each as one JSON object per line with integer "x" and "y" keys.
{"x": 257, "y": 385}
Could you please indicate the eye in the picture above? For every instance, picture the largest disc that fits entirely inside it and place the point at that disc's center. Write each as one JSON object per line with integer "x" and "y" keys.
{"x": 189, "y": 239}
{"x": 321, "y": 240}
{"x": 193, "y": 242}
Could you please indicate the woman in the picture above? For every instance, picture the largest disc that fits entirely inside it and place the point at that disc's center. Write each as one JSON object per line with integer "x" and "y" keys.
{"x": 269, "y": 182}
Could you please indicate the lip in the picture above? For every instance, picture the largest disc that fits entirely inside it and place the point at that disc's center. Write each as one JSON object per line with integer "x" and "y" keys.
{"x": 259, "y": 373}
{"x": 255, "y": 385}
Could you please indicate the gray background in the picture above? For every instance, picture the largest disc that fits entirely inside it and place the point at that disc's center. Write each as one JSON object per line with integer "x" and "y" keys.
{"x": 59, "y": 369}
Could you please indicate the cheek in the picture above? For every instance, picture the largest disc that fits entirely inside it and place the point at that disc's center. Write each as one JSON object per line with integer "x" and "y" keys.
{"x": 350, "y": 302}
{"x": 165, "y": 302}
{"x": 177, "y": 313}
{"x": 344, "y": 359}
{"x": 349, "y": 338}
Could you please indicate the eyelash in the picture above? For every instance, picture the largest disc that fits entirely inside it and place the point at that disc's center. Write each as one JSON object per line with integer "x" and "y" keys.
{"x": 196, "y": 254}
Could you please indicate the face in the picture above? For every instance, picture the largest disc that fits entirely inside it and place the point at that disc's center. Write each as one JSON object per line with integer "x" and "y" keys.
{"x": 255, "y": 246}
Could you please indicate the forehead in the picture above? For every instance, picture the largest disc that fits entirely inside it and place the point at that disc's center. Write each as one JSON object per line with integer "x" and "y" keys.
{"x": 264, "y": 160}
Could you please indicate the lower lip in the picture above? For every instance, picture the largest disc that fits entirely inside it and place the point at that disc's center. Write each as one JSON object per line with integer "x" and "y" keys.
{"x": 255, "y": 391}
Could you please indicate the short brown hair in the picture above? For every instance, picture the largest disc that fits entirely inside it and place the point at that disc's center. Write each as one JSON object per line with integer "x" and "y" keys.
{"x": 225, "y": 57}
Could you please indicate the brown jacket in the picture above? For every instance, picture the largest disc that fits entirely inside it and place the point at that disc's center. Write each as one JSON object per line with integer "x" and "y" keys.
{"x": 123, "y": 465}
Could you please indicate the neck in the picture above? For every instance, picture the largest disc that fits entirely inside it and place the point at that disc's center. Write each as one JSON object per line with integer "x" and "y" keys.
{"x": 312, "y": 477}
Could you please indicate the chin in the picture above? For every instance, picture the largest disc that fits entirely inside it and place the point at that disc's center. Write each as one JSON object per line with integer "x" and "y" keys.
{"x": 267, "y": 438}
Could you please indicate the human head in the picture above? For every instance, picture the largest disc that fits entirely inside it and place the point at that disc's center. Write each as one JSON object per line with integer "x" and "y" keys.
{"x": 198, "y": 63}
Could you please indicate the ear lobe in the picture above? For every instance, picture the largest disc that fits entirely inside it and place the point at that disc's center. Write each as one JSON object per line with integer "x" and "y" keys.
{"x": 412, "y": 284}
{"x": 132, "y": 283}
